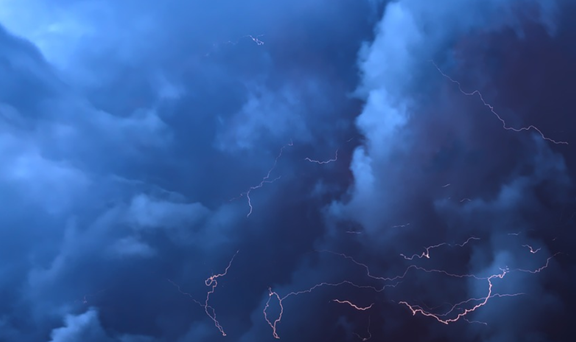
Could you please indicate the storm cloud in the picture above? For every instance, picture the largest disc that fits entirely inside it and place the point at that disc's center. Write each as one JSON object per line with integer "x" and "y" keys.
{"x": 193, "y": 171}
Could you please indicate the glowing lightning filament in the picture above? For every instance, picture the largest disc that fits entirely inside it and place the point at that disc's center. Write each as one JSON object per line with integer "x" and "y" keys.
{"x": 426, "y": 253}
{"x": 465, "y": 312}
{"x": 325, "y": 161}
{"x": 211, "y": 282}
{"x": 532, "y": 250}
{"x": 359, "y": 308}
{"x": 489, "y": 106}
{"x": 265, "y": 180}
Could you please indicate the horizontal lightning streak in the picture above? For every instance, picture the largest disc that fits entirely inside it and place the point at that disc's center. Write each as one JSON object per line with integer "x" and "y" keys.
{"x": 274, "y": 324}
{"x": 416, "y": 310}
{"x": 325, "y": 161}
{"x": 359, "y": 308}
{"x": 484, "y": 300}
{"x": 426, "y": 253}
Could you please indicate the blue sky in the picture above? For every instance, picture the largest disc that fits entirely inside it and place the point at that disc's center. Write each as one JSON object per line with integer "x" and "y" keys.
{"x": 185, "y": 170}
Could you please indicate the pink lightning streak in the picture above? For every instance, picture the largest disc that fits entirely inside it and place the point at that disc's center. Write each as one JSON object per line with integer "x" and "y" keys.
{"x": 426, "y": 253}
{"x": 274, "y": 324}
{"x": 484, "y": 300}
{"x": 359, "y": 308}
{"x": 456, "y": 306}
{"x": 265, "y": 180}
{"x": 325, "y": 161}
{"x": 532, "y": 250}
{"x": 211, "y": 282}
{"x": 489, "y": 106}
{"x": 538, "y": 270}
{"x": 416, "y": 309}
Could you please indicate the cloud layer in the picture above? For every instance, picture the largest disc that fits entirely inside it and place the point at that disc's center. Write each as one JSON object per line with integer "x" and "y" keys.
{"x": 315, "y": 148}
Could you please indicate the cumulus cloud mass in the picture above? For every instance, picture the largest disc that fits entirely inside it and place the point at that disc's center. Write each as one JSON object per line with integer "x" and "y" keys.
{"x": 299, "y": 170}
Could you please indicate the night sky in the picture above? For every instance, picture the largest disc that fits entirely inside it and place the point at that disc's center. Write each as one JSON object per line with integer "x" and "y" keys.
{"x": 308, "y": 170}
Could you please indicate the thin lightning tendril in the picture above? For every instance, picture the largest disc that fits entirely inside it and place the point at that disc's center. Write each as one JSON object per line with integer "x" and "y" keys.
{"x": 359, "y": 308}
{"x": 369, "y": 333}
{"x": 416, "y": 309}
{"x": 489, "y": 106}
{"x": 265, "y": 180}
{"x": 211, "y": 282}
{"x": 274, "y": 324}
{"x": 325, "y": 161}
{"x": 426, "y": 253}
{"x": 484, "y": 300}
{"x": 532, "y": 250}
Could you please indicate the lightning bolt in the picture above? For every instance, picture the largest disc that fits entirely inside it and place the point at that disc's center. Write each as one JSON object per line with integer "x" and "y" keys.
{"x": 457, "y": 311}
{"x": 415, "y": 309}
{"x": 274, "y": 324}
{"x": 359, "y": 308}
{"x": 532, "y": 250}
{"x": 212, "y": 283}
{"x": 489, "y": 106}
{"x": 426, "y": 253}
{"x": 325, "y": 161}
{"x": 369, "y": 333}
{"x": 265, "y": 180}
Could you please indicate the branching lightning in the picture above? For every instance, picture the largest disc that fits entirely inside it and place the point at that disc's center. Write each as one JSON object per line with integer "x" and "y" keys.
{"x": 212, "y": 283}
{"x": 426, "y": 253}
{"x": 369, "y": 333}
{"x": 265, "y": 180}
{"x": 484, "y": 300}
{"x": 458, "y": 311}
{"x": 274, "y": 324}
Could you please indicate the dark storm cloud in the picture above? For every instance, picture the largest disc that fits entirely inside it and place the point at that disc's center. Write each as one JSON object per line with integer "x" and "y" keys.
{"x": 440, "y": 160}
{"x": 127, "y": 128}
{"x": 129, "y": 131}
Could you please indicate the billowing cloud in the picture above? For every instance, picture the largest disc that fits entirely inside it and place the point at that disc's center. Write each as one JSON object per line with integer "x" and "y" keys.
{"x": 182, "y": 170}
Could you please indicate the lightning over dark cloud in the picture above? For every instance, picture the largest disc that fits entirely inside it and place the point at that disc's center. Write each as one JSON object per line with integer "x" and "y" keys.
{"x": 297, "y": 170}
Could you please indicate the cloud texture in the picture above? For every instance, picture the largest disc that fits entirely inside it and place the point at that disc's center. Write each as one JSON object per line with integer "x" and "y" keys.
{"x": 316, "y": 148}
